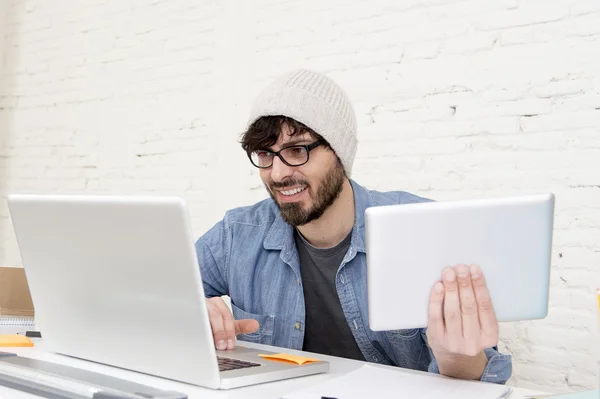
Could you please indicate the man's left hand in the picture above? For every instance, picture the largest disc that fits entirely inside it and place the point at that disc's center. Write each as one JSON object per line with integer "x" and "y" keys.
{"x": 462, "y": 322}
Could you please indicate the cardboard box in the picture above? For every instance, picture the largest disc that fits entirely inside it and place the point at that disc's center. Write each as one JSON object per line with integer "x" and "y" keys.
{"x": 15, "y": 299}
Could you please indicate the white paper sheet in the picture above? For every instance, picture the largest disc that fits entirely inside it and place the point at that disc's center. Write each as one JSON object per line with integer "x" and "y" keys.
{"x": 377, "y": 382}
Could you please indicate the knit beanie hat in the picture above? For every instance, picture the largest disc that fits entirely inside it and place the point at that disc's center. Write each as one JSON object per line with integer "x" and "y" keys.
{"x": 316, "y": 101}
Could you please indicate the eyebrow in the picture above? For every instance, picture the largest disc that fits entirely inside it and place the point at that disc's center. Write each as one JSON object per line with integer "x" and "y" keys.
{"x": 296, "y": 142}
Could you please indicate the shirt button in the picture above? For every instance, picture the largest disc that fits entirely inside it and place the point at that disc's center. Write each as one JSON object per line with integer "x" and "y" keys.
{"x": 342, "y": 278}
{"x": 297, "y": 325}
{"x": 298, "y": 281}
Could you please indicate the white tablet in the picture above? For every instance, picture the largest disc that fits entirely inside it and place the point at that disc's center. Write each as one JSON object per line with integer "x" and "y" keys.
{"x": 409, "y": 245}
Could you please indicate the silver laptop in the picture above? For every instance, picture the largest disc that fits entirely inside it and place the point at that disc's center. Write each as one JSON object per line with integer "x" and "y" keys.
{"x": 408, "y": 246}
{"x": 115, "y": 280}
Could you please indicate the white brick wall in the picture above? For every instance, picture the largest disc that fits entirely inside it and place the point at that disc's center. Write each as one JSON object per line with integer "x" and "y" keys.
{"x": 2, "y": 26}
{"x": 461, "y": 98}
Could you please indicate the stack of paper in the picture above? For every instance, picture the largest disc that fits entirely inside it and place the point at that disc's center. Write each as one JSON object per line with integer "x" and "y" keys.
{"x": 577, "y": 395}
{"x": 378, "y": 382}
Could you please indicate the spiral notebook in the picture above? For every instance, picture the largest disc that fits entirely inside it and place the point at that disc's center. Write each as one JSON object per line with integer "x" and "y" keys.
{"x": 17, "y": 321}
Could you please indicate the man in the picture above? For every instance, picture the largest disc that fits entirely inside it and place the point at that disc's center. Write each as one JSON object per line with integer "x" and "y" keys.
{"x": 294, "y": 265}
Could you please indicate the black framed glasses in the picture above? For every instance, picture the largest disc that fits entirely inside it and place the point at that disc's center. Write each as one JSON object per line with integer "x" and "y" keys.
{"x": 294, "y": 155}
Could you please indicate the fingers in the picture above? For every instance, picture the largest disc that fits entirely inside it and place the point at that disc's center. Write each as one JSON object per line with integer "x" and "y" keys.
{"x": 228, "y": 325}
{"x": 246, "y": 326}
{"x": 435, "y": 324}
{"x": 469, "y": 312}
{"x": 469, "y": 318}
{"x": 216, "y": 324}
{"x": 468, "y": 305}
{"x": 223, "y": 325}
{"x": 221, "y": 322}
{"x": 452, "y": 313}
{"x": 487, "y": 315}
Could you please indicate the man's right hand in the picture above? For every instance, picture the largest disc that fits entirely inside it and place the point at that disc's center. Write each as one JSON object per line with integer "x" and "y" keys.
{"x": 224, "y": 327}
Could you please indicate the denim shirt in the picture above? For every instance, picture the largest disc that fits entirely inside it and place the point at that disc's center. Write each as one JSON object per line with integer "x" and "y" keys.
{"x": 251, "y": 256}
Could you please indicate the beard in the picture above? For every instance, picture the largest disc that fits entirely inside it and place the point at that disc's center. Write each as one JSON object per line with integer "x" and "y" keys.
{"x": 327, "y": 191}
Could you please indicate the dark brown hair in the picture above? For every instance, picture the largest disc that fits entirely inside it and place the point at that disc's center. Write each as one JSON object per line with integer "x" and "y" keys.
{"x": 265, "y": 131}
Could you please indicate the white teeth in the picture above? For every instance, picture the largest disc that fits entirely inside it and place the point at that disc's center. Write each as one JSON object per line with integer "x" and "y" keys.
{"x": 292, "y": 192}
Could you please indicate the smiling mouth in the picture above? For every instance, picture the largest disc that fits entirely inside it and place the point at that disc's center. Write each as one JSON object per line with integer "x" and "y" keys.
{"x": 292, "y": 191}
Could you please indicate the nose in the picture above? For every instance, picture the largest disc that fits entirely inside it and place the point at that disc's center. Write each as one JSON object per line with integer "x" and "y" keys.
{"x": 280, "y": 171}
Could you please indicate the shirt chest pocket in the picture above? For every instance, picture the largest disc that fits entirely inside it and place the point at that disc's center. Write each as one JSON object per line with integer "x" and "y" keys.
{"x": 264, "y": 335}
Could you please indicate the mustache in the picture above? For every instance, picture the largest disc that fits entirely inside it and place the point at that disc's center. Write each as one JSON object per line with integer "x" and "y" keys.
{"x": 287, "y": 183}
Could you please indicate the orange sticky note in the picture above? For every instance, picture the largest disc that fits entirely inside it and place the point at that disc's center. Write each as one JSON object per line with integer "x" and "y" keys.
{"x": 290, "y": 358}
{"x": 14, "y": 340}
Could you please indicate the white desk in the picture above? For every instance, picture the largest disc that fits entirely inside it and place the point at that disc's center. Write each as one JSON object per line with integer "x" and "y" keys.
{"x": 271, "y": 390}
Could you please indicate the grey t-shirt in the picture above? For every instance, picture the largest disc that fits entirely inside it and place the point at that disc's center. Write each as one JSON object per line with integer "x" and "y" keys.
{"x": 326, "y": 328}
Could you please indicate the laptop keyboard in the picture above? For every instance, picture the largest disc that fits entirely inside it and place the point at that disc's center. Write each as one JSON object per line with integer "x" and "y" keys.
{"x": 226, "y": 364}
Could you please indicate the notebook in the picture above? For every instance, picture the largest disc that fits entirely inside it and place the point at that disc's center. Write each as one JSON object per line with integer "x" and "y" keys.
{"x": 17, "y": 321}
{"x": 16, "y": 307}
{"x": 377, "y": 382}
